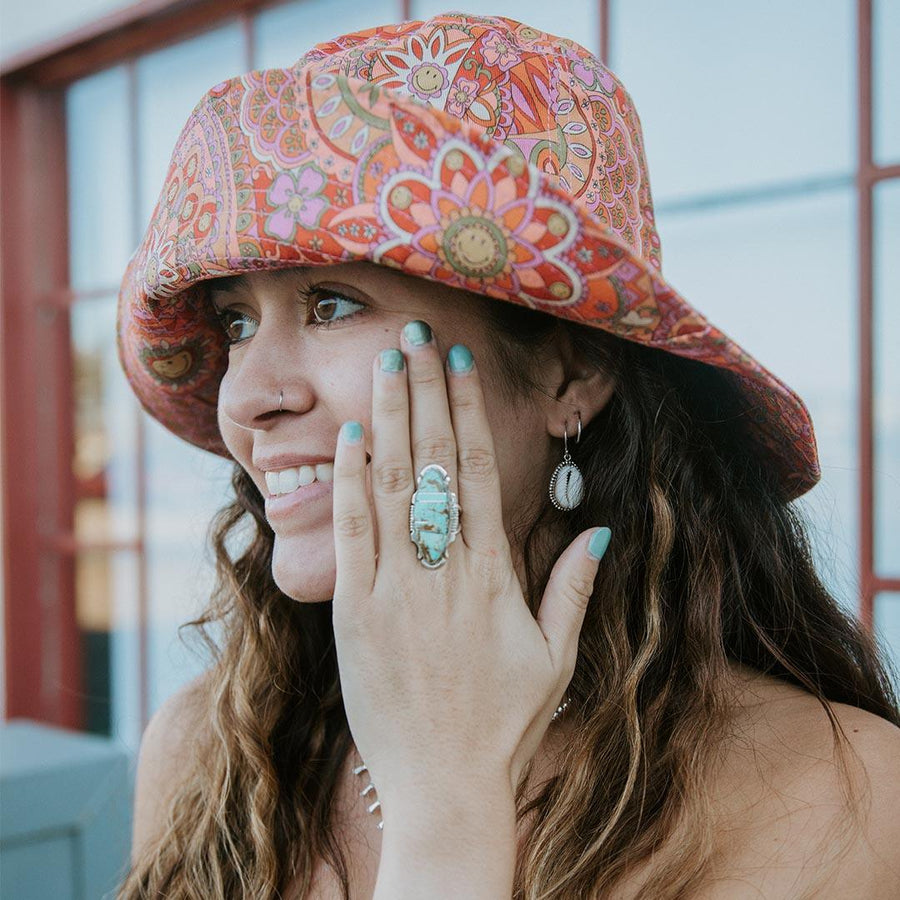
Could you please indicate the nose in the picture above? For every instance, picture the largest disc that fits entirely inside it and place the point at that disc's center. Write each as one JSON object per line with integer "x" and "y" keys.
{"x": 266, "y": 365}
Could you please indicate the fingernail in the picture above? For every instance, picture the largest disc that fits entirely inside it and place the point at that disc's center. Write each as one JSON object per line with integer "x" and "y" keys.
{"x": 391, "y": 360}
{"x": 460, "y": 358}
{"x": 599, "y": 542}
{"x": 352, "y": 432}
{"x": 417, "y": 332}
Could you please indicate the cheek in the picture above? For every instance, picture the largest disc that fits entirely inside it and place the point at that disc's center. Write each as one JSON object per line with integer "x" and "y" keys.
{"x": 238, "y": 440}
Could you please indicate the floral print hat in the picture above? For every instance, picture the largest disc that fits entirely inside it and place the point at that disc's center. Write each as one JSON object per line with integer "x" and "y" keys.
{"x": 470, "y": 150}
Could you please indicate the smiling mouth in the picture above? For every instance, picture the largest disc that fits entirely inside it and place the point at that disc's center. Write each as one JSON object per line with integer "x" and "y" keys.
{"x": 287, "y": 480}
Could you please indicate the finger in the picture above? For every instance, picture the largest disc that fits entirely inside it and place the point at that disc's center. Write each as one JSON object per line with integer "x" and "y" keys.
{"x": 431, "y": 431}
{"x": 566, "y": 597}
{"x": 392, "y": 478}
{"x": 354, "y": 538}
{"x": 476, "y": 459}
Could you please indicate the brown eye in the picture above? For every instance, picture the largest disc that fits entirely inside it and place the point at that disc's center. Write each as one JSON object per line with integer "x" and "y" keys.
{"x": 236, "y": 325}
{"x": 331, "y": 307}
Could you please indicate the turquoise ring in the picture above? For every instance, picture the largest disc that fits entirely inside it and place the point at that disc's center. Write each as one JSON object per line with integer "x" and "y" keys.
{"x": 433, "y": 516}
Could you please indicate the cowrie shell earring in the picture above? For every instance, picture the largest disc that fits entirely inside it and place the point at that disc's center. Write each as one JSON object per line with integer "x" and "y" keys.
{"x": 567, "y": 482}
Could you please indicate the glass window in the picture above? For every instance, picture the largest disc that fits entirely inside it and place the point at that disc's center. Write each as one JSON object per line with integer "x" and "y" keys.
{"x": 285, "y": 33}
{"x": 169, "y": 84}
{"x": 886, "y": 81}
{"x": 104, "y": 469}
{"x": 99, "y": 180}
{"x": 104, "y": 466}
{"x": 887, "y": 629}
{"x": 185, "y": 488}
{"x": 580, "y": 20}
{"x": 734, "y": 95}
{"x": 886, "y": 328}
{"x": 779, "y": 277}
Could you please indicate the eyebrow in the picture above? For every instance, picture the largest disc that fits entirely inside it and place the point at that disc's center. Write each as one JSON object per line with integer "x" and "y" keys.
{"x": 230, "y": 284}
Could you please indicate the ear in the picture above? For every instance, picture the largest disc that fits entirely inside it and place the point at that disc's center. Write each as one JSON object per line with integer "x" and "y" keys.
{"x": 579, "y": 388}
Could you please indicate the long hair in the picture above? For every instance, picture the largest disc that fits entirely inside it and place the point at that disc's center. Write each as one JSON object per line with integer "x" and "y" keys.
{"x": 709, "y": 566}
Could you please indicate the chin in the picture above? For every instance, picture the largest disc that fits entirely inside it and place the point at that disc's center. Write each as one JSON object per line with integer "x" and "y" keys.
{"x": 306, "y": 582}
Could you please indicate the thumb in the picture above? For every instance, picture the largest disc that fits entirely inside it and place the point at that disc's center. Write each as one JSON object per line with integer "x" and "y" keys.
{"x": 569, "y": 589}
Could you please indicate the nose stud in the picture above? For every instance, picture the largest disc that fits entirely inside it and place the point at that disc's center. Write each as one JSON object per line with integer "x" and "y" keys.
{"x": 281, "y": 401}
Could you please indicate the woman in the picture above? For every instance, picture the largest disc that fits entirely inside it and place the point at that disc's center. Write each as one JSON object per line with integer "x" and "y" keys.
{"x": 410, "y": 573}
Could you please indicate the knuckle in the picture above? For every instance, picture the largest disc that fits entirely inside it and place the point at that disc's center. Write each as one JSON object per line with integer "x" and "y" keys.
{"x": 490, "y": 567}
{"x": 351, "y": 525}
{"x": 391, "y": 398}
{"x": 430, "y": 376}
{"x": 580, "y": 589}
{"x": 467, "y": 401}
{"x": 434, "y": 447}
{"x": 477, "y": 463}
{"x": 390, "y": 478}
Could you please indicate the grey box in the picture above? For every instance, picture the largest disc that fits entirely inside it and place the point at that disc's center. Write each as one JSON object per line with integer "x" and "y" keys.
{"x": 65, "y": 813}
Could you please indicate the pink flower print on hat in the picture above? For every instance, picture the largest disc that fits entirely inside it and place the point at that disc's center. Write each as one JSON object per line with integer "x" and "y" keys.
{"x": 461, "y": 96}
{"x": 298, "y": 199}
{"x": 498, "y": 52}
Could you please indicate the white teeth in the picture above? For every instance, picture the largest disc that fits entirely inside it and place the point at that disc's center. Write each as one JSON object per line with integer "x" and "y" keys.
{"x": 286, "y": 481}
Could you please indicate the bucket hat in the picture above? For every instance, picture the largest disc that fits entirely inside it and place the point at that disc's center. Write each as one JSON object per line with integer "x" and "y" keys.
{"x": 474, "y": 151}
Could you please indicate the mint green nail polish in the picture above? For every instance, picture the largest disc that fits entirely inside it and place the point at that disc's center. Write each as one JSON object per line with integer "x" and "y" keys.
{"x": 460, "y": 358}
{"x": 391, "y": 360}
{"x": 417, "y": 332}
{"x": 599, "y": 542}
{"x": 352, "y": 432}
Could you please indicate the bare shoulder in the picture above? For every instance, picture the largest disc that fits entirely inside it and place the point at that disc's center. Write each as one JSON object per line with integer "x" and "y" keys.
{"x": 166, "y": 749}
{"x": 798, "y": 812}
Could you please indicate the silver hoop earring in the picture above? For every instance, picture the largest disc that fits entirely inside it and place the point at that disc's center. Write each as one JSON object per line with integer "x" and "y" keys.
{"x": 281, "y": 401}
{"x": 567, "y": 482}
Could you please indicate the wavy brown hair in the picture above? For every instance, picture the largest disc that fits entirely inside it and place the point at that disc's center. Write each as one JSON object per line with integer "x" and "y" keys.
{"x": 709, "y": 566}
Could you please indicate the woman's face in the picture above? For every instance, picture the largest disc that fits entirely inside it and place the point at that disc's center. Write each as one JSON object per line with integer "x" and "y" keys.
{"x": 279, "y": 343}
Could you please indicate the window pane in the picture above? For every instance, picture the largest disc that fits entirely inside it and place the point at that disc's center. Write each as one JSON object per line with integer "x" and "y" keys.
{"x": 886, "y": 327}
{"x": 285, "y": 33}
{"x": 733, "y": 95}
{"x": 170, "y": 82}
{"x": 580, "y": 22}
{"x": 887, "y": 629}
{"x": 105, "y": 472}
{"x": 185, "y": 488}
{"x": 123, "y": 576}
{"x": 779, "y": 277}
{"x": 100, "y": 239}
{"x": 106, "y": 591}
{"x": 886, "y": 80}
{"x": 105, "y": 464}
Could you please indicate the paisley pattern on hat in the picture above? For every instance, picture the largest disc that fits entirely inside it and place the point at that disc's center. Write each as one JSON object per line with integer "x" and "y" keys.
{"x": 471, "y": 150}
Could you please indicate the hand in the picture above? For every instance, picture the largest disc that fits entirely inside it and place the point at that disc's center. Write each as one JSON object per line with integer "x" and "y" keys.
{"x": 448, "y": 680}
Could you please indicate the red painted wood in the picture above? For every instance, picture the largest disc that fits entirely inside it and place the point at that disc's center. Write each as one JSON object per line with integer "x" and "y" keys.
{"x": 604, "y": 42}
{"x": 43, "y": 654}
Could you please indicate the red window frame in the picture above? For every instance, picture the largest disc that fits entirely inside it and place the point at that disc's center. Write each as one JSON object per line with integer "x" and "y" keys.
{"x": 43, "y": 658}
